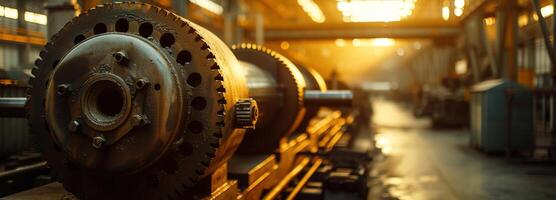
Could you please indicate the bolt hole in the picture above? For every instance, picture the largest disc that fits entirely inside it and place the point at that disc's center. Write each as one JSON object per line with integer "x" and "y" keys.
{"x": 100, "y": 28}
{"x": 78, "y": 39}
{"x": 118, "y": 57}
{"x": 199, "y": 103}
{"x": 195, "y": 127}
{"x": 146, "y": 29}
{"x": 140, "y": 84}
{"x": 157, "y": 87}
{"x": 167, "y": 40}
{"x": 184, "y": 57}
{"x": 122, "y": 25}
{"x": 194, "y": 79}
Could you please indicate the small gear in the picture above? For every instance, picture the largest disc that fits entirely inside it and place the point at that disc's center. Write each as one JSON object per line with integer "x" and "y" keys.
{"x": 246, "y": 113}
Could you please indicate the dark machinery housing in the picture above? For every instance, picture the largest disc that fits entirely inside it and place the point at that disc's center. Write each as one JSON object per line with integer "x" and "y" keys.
{"x": 130, "y": 97}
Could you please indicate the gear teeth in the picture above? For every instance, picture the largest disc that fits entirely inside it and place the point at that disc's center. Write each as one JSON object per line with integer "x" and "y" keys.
{"x": 221, "y": 113}
{"x": 222, "y": 101}
{"x": 215, "y": 67}
{"x": 219, "y": 77}
{"x": 214, "y": 136}
{"x": 283, "y": 61}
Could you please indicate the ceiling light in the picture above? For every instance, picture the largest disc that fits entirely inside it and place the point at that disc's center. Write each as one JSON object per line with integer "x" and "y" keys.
{"x": 312, "y": 9}
{"x": 209, "y": 5}
{"x": 377, "y": 42}
{"x": 459, "y": 3}
{"x": 445, "y": 13}
{"x": 284, "y": 45}
{"x": 547, "y": 11}
{"x": 458, "y": 12}
{"x": 340, "y": 42}
{"x": 375, "y": 10}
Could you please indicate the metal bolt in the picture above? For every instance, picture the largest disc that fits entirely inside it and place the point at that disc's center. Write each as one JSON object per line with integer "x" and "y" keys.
{"x": 98, "y": 141}
{"x": 141, "y": 83}
{"x": 136, "y": 120}
{"x": 139, "y": 120}
{"x": 62, "y": 89}
{"x": 73, "y": 126}
{"x": 121, "y": 57}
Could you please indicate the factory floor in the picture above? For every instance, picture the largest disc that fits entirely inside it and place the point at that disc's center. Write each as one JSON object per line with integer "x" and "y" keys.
{"x": 420, "y": 163}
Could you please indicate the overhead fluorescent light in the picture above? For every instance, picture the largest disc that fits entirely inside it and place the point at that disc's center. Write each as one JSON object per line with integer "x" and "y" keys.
{"x": 313, "y": 10}
{"x": 445, "y": 13}
{"x": 547, "y": 10}
{"x": 377, "y": 42}
{"x": 375, "y": 10}
{"x": 209, "y": 5}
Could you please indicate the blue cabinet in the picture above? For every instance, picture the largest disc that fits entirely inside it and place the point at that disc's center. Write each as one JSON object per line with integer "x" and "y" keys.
{"x": 492, "y": 102}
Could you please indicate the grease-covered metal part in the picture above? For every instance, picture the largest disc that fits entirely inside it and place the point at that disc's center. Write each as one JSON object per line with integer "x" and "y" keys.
{"x": 131, "y": 97}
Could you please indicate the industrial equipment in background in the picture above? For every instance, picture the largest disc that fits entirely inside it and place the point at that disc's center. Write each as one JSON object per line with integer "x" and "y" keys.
{"x": 446, "y": 105}
{"x": 130, "y": 97}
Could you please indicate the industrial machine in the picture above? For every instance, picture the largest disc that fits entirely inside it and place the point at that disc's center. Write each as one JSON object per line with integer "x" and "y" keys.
{"x": 130, "y": 101}
{"x": 446, "y": 105}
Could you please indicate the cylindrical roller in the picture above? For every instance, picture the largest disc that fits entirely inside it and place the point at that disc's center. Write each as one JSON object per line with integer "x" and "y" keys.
{"x": 287, "y": 95}
{"x": 331, "y": 98}
{"x": 130, "y": 101}
{"x": 12, "y": 106}
{"x": 282, "y": 110}
{"x": 262, "y": 87}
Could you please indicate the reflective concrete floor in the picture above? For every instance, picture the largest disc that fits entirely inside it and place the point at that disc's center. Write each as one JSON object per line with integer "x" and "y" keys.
{"x": 421, "y": 163}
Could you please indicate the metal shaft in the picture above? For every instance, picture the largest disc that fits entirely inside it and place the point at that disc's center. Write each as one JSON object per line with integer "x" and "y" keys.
{"x": 330, "y": 98}
{"x": 12, "y": 106}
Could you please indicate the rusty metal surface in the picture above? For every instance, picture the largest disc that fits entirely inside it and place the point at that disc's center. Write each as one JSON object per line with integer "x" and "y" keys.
{"x": 254, "y": 175}
{"x": 130, "y": 97}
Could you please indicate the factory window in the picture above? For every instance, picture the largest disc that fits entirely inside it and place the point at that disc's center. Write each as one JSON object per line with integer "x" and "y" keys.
{"x": 32, "y": 17}
{"x": 8, "y": 12}
{"x": 35, "y": 18}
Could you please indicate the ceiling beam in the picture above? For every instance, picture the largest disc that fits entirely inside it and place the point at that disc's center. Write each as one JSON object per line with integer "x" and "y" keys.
{"x": 375, "y": 32}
